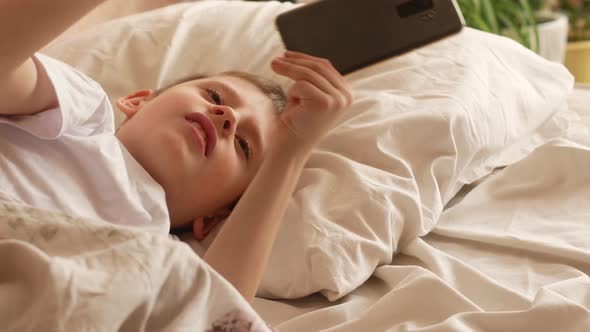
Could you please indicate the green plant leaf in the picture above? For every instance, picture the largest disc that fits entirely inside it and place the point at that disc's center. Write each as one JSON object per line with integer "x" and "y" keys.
{"x": 490, "y": 16}
{"x": 514, "y": 18}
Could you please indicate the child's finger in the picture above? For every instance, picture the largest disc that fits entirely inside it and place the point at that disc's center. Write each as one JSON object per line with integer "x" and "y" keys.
{"x": 304, "y": 90}
{"x": 301, "y": 73}
{"x": 299, "y": 55}
{"x": 331, "y": 76}
{"x": 294, "y": 54}
{"x": 342, "y": 86}
{"x": 305, "y": 115}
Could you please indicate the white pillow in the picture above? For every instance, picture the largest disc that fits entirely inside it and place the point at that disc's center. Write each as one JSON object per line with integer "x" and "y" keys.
{"x": 423, "y": 124}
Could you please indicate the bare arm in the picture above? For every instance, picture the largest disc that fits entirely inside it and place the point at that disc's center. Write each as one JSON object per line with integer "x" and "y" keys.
{"x": 25, "y": 27}
{"x": 110, "y": 10}
{"x": 319, "y": 96}
{"x": 242, "y": 247}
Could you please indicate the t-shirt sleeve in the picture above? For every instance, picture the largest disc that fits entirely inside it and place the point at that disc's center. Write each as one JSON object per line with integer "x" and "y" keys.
{"x": 83, "y": 110}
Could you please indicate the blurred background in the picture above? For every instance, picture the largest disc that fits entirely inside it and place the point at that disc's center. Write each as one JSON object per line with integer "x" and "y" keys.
{"x": 558, "y": 30}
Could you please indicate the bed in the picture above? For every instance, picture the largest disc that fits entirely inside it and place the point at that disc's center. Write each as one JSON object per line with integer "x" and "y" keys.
{"x": 475, "y": 222}
{"x": 512, "y": 255}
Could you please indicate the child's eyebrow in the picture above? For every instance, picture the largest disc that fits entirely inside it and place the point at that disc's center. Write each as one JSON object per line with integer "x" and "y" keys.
{"x": 229, "y": 91}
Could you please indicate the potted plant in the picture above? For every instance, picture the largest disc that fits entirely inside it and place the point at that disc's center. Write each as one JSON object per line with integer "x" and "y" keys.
{"x": 529, "y": 22}
{"x": 578, "y": 49}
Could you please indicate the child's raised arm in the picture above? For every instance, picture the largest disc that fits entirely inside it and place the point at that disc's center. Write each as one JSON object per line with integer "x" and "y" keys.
{"x": 316, "y": 100}
{"x": 25, "y": 27}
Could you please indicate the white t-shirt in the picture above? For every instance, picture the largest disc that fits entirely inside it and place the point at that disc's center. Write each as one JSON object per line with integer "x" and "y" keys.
{"x": 68, "y": 158}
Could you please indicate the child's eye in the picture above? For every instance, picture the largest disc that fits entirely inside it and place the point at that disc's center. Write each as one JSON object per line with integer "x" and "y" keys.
{"x": 245, "y": 146}
{"x": 215, "y": 96}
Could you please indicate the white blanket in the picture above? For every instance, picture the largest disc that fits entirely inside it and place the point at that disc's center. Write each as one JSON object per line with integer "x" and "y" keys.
{"x": 66, "y": 274}
{"x": 422, "y": 125}
{"x": 513, "y": 255}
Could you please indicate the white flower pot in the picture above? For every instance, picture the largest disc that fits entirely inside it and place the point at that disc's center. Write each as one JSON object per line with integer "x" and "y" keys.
{"x": 553, "y": 37}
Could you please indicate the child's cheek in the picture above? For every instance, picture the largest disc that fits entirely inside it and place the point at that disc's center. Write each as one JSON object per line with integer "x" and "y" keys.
{"x": 227, "y": 170}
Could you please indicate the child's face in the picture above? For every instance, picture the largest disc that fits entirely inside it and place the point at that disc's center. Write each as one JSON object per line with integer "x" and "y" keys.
{"x": 161, "y": 134}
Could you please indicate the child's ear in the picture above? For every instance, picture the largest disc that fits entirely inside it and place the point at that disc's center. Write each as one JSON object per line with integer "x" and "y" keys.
{"x": 202, "y": 226}
{"x": 134, "y": 102}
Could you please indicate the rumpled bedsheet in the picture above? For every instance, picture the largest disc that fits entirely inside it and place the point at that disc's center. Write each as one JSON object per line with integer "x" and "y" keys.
{"x": 60, "y": 273}
{"x": 512, "y": 255}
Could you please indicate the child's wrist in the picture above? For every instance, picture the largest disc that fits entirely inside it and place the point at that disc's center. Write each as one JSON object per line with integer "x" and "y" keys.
{"x": 289, "y": 146}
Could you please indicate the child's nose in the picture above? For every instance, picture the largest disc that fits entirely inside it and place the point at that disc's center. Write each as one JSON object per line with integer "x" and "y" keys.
{"x": 224, "y": 118}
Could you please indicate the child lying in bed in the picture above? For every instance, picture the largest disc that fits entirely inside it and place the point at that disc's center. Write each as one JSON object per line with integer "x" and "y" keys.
{"x": 184, "y": 155}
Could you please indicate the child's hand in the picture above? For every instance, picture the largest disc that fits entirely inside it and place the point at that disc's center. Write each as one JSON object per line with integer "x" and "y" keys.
{"x": 317, "y": 98}
{"x": 316, "y": 101}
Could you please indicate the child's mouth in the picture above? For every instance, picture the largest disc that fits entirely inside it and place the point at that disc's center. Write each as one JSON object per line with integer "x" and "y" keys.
{"x": 204, "y": 130}
{"x": 199, "y": 135}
